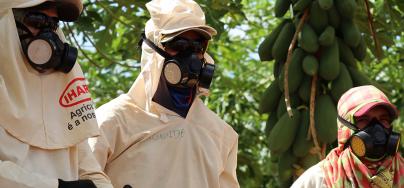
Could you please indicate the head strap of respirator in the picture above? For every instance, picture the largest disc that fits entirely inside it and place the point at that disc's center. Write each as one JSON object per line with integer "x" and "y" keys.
{"x": 374, "y": 142}
{"x": 45, "y": 51}
{"x": 184, "y": 69}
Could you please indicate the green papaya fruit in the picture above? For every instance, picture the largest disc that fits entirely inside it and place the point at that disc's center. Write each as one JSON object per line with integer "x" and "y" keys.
{"x": 351, "y": 34}
{"x": 300, "y": 5}
{"x": 308, "y": 39}
{"x": 282, "y": 135}
{"x": 278, "y": 67}
{"x": 281, "y": 7}
{"x": 325, "y": 115}
{"x": 358, "y": 78}
{"x": 285, "y": 165}
{"x": 295, "y": 101}
{"x": 329, "y": 62}
{"x": 318, "y": 18}
{"x": 302, "y": 145}
{"x": 274, "y": 156}
{"x": 265, "y": 48}
{"x": 360, "y": 51}
{"x": 341, "y": 84}
{"x": 310, "y": 65}
{"x": 295, "y": 72}
{"x": 281, "y": 108}
{"x": 272, "y": 166}
{"x": 280, "y": 48}
{"x": 270, "y": 98}
{"x": 325, "y": 4}
{"x": 345, "y": 54}
{"x": 271, "y": 121}
{"x": 346, "y": 8}
{"x": 305, "y": 89}
{"x": 327, "y": 37}
{"x": 296, "y": 20}
{"x": 334, "y": 18}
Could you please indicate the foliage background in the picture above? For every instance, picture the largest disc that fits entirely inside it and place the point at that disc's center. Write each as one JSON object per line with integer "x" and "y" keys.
{"x": 107, "y": 35}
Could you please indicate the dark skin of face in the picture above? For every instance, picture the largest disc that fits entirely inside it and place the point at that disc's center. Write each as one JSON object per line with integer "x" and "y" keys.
{"x": 378, "y": 112}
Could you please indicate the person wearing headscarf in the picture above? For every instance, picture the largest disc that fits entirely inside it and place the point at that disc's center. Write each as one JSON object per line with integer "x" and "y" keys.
{"x": 47, "y": 114}
{"x": 367, "y": 153}
{"x": 161, "y": 134}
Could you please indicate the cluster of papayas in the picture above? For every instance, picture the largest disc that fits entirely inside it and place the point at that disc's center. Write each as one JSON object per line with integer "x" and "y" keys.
{"x": 329, "y": 45}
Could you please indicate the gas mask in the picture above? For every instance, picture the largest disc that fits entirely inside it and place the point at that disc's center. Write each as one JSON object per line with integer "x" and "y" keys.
{"x": 45, "y": 51}
{"x": 374, "y": 142}
{"x": 184, "y": 69}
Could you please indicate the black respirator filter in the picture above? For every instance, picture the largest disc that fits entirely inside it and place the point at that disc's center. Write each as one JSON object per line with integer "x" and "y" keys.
{"x": 374, "y": 141}
{"x": 45, "y": 51}
{"x": 184, "y": 69}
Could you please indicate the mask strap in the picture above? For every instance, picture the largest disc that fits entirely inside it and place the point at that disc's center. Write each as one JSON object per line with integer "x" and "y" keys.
{"x": 153, "y": 46}
{"x": 347, "y": 123}
{"x": 25, "y": 29}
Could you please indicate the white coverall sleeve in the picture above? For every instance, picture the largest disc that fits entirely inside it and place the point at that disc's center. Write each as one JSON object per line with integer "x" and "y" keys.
{"x": 89, "y": 167}
{"x": 103, "y": 146}
{"x": 12, "y": 175}
{"x": 228, "y": 178}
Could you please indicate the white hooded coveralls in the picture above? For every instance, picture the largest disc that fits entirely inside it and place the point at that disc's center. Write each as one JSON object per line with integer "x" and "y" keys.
{"x": 143, "y": 144}
{"x": 37, "y": 144}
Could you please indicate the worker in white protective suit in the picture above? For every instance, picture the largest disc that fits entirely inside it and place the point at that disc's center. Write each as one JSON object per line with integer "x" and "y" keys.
{"x": 47, "y": 114}
{"x": 161, "y": 134}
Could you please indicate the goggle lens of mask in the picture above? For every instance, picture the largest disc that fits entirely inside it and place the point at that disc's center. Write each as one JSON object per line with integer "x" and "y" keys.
{"x": 181, "y": 44}
{"x": 40, "y": 20}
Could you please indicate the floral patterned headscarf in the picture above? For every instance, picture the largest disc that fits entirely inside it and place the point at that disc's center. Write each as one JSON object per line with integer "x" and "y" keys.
{"x": 342, "y": 168}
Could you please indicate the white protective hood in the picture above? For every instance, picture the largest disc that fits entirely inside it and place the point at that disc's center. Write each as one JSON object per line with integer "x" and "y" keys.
{"x": 168, "y": 19}
{"x": 49, "y": 111}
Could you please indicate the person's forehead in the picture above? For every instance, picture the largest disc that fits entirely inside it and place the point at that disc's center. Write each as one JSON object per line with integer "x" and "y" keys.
{"x": 378, "y": 111}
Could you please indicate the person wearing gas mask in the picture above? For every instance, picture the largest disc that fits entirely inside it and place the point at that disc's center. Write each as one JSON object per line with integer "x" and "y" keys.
{"x": 47, "y": 114}
{"x": 367, "y": 153}
{"x": 160, "y": 134}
